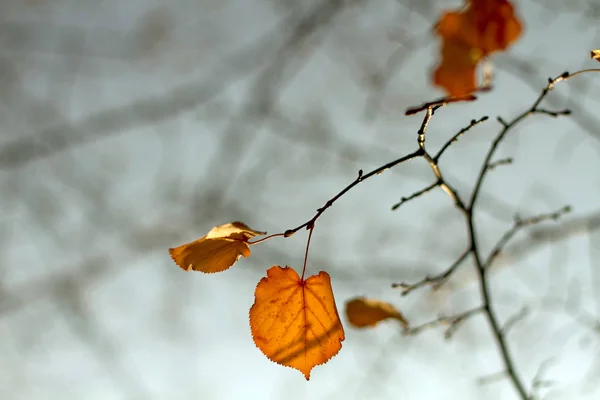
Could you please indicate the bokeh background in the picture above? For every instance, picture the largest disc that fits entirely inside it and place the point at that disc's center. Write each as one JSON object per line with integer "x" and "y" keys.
{"x": 128, "y": 127}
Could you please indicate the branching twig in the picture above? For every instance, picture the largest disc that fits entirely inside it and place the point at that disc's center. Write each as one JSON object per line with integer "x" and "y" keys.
{"x": 459, "y": 134}
{"x": 507, "y": 126}
{"x": 517, "y": 226}
{"x": 361, "y": 178}
{"x": 480, "y": 264}
{"x": 453, "y": 322}
{"x": 468, "y": 211}
{"x": 420, "y": 152}
{"x": 538, "y": 381}
{"x": 436, "y": 280}
{"x": 439, "y": 102}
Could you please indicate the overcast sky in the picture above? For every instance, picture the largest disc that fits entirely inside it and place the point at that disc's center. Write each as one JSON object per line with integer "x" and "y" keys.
{"x": 132, "y": 127}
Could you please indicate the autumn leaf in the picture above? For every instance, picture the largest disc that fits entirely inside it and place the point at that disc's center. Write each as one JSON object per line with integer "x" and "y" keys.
{"x": 456, "y": 72}
{"x": 496, "y": 25}
{"x": 595, "y": 54}
{"x": 469, "y": 36}
{"x": 363, "y": 312}
{"x": 295, "y": 322}
{"x": 218, "y": 250}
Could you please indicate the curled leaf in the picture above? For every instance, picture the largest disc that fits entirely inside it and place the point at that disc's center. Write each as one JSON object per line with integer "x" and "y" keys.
{"x": 295, "y": 322}
{"x": 363, "y": 312}
{"x": 595, "y": 54}
{"x": 217, "y": 251}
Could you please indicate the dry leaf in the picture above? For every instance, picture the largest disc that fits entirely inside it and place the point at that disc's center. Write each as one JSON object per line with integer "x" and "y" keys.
{"x": 595, "y": 54}
{"x": 363, "y": 312}
{"x": 218, "y": 250}
{"x": 482, "y": 28}
{"x": 295, "y": 322}
{"x": 496, "y": 24}
{"x": 456, "y": 73}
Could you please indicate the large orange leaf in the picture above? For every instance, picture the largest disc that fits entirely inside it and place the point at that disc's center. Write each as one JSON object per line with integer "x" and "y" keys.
{"x": 456, "y": 72}
{"x": 217, "y": 251}
{"x": 295, "y": 322}
{"x": 363, "y": 312}
{"x": 496, "y": 24}
{"x": 482, "y": 28}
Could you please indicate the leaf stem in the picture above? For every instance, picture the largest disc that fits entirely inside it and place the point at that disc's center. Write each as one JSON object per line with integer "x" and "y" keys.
{"x": 266, "y": 238}
{"x": 310, "y": 232}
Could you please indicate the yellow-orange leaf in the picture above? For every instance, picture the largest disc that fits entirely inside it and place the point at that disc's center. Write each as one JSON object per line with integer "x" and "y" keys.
{"x": 363, "y": 312}
{"x": 295, "y": 322}
{"x": 595, "y": 54}
{"x": 217, "y": 251}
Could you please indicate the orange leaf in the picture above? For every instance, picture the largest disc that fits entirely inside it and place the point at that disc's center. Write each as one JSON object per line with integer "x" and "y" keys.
{"x": 496, "y": 24}
{"x": 363, "y": 312}
{"x": 482, "y": 28}
{"x": 295, "y": 322}
{"x": 217, "y": 251}
{"x": 456, "y": 72}
{"x": 595, "y": 54}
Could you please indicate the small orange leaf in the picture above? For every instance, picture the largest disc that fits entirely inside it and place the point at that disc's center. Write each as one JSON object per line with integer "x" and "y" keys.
{"x": 363, "y": 312}
{"x": 595, "y": 54}
{"x": 295, "y": 322}
{"x": 217, "y": 251}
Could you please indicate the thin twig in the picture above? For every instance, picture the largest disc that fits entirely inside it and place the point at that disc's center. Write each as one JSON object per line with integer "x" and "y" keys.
{"x": 506, "y": 127}
{"x": 439, "y": 102}
{"x": 538, "y": 382}
{"x": 436, "y": 280}
{"x": 433, "y": 163}
{"x": 416, "y": 194}
{"x": 468, "y": 212}
{"x": 453, "y": 322}
{"x": 517, "y": 226}
{"x": 467, "y": 209}
{"x": 359, "y": 179}
{"x": 473, "y": 123}
{"x": 502, "y": 161}
{"x": 266, "y": 238}
{"x": 566, "y": 111}
{"x": 420, "y": 152}
{"x": 514, "y": 320}
{"x": 479, "y": 263}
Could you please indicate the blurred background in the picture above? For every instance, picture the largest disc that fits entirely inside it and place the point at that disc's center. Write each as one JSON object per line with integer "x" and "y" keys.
{"x": 128, "y": 127}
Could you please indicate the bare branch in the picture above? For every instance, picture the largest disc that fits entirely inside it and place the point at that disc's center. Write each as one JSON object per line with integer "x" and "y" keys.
{"x": 518, "y": 225}
{"x": 416, "y": 194}
{"x": 454, "y": 138}
{"x": 436, "y": 280}
{"x": 502, "y": 161}
{"x": 566, "y": 111}
{"x": 452, "y": 322}
{"x": 538, "y": 381}
{"x": 515, "y": 319}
